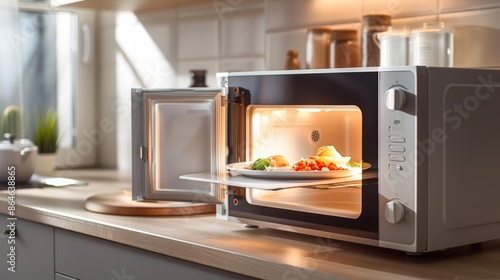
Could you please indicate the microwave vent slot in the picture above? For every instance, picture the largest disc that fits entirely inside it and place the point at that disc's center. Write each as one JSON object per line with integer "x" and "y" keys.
{"x": 315, "y": 135}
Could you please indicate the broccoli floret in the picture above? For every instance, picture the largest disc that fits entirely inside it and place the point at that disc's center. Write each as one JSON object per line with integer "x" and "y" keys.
{"x": 260, "y": 164}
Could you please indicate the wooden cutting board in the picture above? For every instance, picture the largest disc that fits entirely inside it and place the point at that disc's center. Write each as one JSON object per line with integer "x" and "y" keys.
{"x": 121, "y": 203}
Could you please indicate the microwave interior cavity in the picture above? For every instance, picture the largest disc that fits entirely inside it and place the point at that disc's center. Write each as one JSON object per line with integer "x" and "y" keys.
{"x": 297, "y": 132}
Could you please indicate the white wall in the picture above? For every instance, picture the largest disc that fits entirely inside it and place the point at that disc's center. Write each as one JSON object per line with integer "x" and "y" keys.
{"x": 220, "y": 38}
{"x": 157, "y": 49}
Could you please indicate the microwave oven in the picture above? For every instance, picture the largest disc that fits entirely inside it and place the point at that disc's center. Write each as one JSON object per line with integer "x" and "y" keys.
{"x": 427, "y": 138}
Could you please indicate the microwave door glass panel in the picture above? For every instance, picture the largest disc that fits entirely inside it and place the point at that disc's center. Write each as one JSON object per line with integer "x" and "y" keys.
{"x": 182, "y": 138}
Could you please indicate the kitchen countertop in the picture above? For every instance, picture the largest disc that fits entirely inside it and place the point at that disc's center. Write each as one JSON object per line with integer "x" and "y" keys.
{"x": 257, "y": 252}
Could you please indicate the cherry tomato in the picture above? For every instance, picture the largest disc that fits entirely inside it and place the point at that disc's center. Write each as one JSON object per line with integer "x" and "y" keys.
{"x": 332, "y": 166}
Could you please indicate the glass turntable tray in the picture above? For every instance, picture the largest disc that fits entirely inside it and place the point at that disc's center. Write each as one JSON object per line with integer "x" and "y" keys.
{"x": 237, "y": 180}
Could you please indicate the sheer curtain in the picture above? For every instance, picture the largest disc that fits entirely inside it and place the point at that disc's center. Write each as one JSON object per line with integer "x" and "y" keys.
{"x": 10, "y": 57}
{"x": 38, "y": 65}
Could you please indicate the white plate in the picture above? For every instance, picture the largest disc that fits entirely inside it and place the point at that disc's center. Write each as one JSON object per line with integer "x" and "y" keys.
{"x": 242, "y": 168}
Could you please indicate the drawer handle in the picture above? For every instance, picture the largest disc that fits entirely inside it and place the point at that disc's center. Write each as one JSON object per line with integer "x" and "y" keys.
{"x": 7, "y": 232}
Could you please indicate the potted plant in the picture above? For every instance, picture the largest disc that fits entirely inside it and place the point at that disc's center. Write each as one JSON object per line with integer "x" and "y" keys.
{"x": 45, "y": 137}
{"x": 10, "y": 122}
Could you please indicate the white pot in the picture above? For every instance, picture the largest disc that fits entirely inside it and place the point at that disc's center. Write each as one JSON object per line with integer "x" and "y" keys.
{"x": 45, "y": 163}
{"x": 17, "y": 160}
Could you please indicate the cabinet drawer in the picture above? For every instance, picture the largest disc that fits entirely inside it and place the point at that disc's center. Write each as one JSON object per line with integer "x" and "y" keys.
{"x": 34, "y": 250}
{"x": 85, "y": 257}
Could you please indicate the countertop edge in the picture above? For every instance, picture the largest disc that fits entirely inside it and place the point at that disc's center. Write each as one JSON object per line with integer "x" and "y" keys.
{"x": 176, "y": 248}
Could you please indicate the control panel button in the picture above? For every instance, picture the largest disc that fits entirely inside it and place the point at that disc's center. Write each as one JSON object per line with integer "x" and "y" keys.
{"x": 398, "y": 158}
{"x": 396, "y": 129}
{"x": 395, "y": 99}
{"x": 396, "y": 139}
{"x": 397, "y": 148}
{"x": 396, "y": 177}
{"x": 395, "y": 167}
{"x": 394, "y": 212}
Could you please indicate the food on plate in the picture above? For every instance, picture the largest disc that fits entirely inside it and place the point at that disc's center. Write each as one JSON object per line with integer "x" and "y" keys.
{"x": 316, "y": 165}
{"x": 326, "y": 151}
{"x": 329, "y": 153}
{"x": 273, "y": 162}
{"x": 278, "y": 161}
{"x": 260, "y": 164}
{"x": 355, "y": 164}
{"x": 327, "y": 158}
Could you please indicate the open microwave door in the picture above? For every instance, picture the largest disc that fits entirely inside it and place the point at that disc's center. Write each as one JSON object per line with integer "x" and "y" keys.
{"x": 174, "y": 132}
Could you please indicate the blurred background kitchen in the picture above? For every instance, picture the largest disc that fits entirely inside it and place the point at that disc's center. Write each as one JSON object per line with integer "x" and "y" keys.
{"x": 82, "y": 58}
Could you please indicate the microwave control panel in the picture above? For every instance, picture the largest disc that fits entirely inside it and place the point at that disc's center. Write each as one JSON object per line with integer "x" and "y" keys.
{"x": 397, "y": 158}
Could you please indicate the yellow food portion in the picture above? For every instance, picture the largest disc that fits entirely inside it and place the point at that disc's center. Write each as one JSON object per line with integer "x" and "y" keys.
{"x": 278, "y": 161}
{"x": 330, "y": 154}
{"x": 327, "y": 151}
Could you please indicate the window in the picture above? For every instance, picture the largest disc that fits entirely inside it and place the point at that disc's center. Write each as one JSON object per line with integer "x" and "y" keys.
{"x": 39, "y": 65}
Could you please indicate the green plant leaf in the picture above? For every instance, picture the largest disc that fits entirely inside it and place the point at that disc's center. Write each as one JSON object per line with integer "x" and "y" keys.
{"x": 46, "y": 132}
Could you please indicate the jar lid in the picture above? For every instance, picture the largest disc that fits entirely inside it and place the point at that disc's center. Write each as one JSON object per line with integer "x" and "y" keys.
{"x": 395, "y": 31}
{"x": 377, "y": 19}
{"x": 344, "y": 35}
{"x": 433, "y": 27}
{"x": 198, "y": 71}
{"x": 319, "y": 30}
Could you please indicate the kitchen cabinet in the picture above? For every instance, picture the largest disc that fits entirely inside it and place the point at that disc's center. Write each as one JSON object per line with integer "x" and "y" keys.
{"x": 129, "y": 5}
{"x": 33, "y": 252}
{"x": 54, "y": 253}
{"x": 85, "y": 257}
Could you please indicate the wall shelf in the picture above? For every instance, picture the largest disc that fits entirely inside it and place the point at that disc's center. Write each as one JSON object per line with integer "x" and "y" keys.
{"x": 128, "y": 5}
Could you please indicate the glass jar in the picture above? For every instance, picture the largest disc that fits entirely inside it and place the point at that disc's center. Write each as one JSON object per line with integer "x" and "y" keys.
{"x": 344, "y": 49}
{"x": 394, "y": 44}
{"x": 432, "y": 45}
{"x": 318, "y": 48}
{"x": 371, "y": 25}
{"x": 198, "y": 78}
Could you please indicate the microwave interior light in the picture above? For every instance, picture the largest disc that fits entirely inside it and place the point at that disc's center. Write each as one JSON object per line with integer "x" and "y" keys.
{"x": 343, "y": 108}
{"x": 309, "y": 110}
